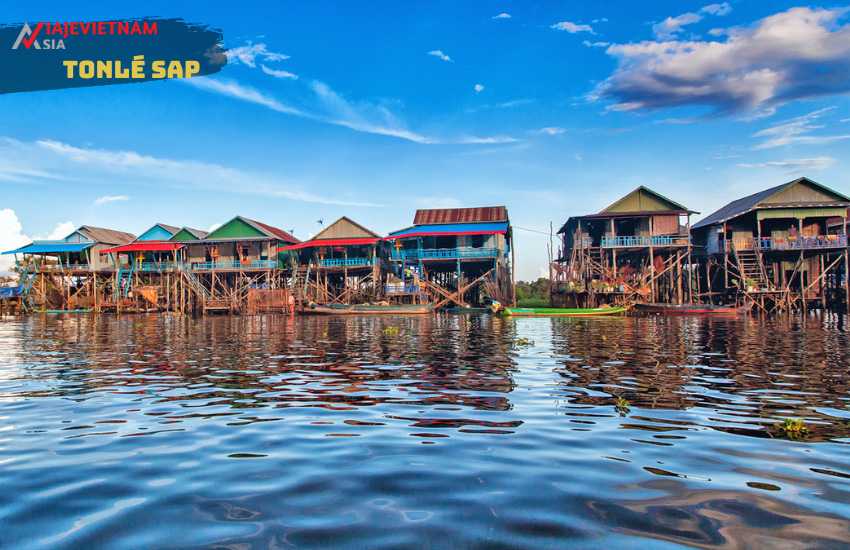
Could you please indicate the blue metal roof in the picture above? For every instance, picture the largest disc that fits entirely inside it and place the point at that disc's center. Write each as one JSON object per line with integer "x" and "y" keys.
{"x": 52, "y": 248}
{"x": 452, "y": 229}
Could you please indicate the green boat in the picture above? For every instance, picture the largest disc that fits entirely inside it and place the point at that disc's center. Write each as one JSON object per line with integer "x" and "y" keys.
{"x": 556, "y": 312}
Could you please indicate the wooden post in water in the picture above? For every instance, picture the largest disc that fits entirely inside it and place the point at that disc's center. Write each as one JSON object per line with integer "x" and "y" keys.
{"x": 679, "y": 276}
{"x": 651, "y": 262}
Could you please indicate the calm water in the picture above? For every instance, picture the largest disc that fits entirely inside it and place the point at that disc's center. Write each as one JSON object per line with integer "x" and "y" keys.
{"x": 422, "y": 432}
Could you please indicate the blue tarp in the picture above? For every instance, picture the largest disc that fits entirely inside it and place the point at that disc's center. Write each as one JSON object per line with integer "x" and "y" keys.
{"x": 52, "y": 248}
{"x": 452, "y": 229}
{"x": 11, "y": 291}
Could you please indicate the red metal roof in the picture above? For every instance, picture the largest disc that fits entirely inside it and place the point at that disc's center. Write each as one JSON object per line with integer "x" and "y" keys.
{"x": 328, "y": 242}
{"x": 146, "y": 246}
{"x": 461, "y": 215}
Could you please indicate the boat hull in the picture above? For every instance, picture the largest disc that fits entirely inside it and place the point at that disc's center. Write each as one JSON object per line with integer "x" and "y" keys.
{"x": 553, "y": 312}
{"x": 316, "y": 309}
{"x": 665, "y": 309}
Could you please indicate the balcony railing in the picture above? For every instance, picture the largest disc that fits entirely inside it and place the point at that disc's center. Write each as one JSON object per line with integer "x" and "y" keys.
{"x": 158, "y": 266}
{"x": 658, "y": 240}
{"x": 347, "y": 262}
{"x": 397, "y": 290}
{"x": 816, "y": 242}
{"x": 444, "y": 253}
{"x": 58, "y": 267}
{"x": 248, "y": 264}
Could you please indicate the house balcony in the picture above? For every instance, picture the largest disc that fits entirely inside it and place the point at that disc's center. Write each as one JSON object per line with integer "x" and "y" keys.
{"x": 347, "y": 262}
{"x": 768, "y": 244}
{"x": 234, "y": 265}
{"x": 158, "y": 266}
{"x": 443, "y": 253}
{"x": 634, "y": 241}
{"x": 401, "y": 290}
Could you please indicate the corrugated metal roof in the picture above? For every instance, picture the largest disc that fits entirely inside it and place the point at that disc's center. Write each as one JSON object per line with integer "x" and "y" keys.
{"x": 50, "y": 248}
{"x": 170, "y": 228}
{"x": 461, "y": 215}
{"x": 748, "y": 203}
{"x": 452, "y": 229}
{"x": 105, "y": 236}
{"x": 345, "y": 228}
{"x": 273, "y": 232}
{"x": 331, "y": 242}
{"x": 672, "y": 206}
{"x": 196, "y": 232}
{"x": 145, "y": 246}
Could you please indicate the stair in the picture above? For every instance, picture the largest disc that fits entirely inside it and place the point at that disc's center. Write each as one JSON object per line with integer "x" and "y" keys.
{"x": 299, "y": 280}
{"x": 594, "y": 263}
{"x": 196, "y": 284}
{"x": 123, "y": 287}
{"x": 750, "y": 266}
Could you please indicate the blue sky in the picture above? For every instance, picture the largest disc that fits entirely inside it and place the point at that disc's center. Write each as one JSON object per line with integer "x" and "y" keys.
{"x": 372, "y": 110}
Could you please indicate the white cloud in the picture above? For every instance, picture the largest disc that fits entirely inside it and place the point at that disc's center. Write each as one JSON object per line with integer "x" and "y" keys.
{"x": 717, "y": 32}
{"x": 326, "y": 106}
{"x": 240, "y": 91}
{"x": 11, "y": 237}
{"x": 62, "y": 230}
{"x": 551, "y": 130}
{"x": 363, "y": 117}
{"x": 572, "y": 28}
{"x": 496, "y": 139}
{"x": 279, "y": 74}
{"x": 717, "y": 9}
{"x": 247, "y": 55}
{"x": 166, "y": 173}
{"x": 502, "y": 16}
{"x": 440, "y": 54}
{"x": 577, "y": 156}
{"x": 478, "y": 87}
{"x": 791, "y": 131}
{"x": 111, "y": 198}
{"x": 590, "y": 44}
{"x": 800, "y": 53}
{"x": 213, "y": 227}
{"x": 796, "y": 165}
{"x": 673, "y": 25}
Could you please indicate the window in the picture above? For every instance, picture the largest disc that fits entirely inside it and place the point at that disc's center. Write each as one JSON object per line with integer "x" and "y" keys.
{"x": 478, "y": 241}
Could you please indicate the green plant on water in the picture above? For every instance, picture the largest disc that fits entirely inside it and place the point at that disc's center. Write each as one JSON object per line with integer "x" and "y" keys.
{"x": 621, "y": 403}
{"x": 390, "y": 330}
{"x": 524, "y": 342}
{"x": 793, "y": 429}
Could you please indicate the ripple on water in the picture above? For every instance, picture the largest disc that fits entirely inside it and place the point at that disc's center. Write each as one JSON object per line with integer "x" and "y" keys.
{"x": 241, "y": 432}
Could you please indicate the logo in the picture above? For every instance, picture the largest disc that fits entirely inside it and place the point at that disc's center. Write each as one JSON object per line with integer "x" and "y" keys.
{"x": 26, "y": 31}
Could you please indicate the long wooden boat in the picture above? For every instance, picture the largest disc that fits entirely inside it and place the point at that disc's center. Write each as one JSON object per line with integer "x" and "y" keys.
{"x": 556, "y": 312}
{"x": 467, "y": 310}
{"x": 667, "y": 309}
{"x": 366, "y": 309}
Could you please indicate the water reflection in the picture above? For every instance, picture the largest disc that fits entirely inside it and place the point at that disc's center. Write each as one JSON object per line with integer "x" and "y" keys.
{"x": 746, "y": 372}
{"x": 433, "y": 431}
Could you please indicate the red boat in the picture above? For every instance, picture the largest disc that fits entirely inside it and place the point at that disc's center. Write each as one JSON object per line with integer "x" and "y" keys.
{"x": 667, "y": 309}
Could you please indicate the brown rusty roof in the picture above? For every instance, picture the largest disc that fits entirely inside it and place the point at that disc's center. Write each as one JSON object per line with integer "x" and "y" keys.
{"x": 273, "y": 231}
{"x": 106, "y": 236}
{"x": 461, "y": 215}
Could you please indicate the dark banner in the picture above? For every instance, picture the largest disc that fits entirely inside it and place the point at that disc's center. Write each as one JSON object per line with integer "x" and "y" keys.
{"x": 49, "y": 55}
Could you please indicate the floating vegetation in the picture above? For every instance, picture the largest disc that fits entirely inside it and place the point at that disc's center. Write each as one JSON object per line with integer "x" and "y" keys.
{"x": 622, "y": 406}
{"x": 793, "y": 429}
{"x": 524, "y": 342}
{"x": 390, "y": 330}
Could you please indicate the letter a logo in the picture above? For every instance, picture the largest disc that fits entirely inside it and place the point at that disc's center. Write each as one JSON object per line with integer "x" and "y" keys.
{"x": 26, "y": 31}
